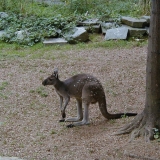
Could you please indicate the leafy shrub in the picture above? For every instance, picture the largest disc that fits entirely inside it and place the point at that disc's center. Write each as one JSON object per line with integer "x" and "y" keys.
{"x": 34, "y": 29}
{"x": 36, "y": 21}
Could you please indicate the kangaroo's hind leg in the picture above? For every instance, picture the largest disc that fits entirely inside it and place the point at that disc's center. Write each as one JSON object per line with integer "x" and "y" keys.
{"x": 85, "y": 119}
{"x": 79, "y": 113}
{"x": 87, "y": 98}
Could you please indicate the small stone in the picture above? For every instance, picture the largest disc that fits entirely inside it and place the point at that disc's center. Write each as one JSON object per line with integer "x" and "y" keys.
{"x": 21, "y": 34}
{"x": 3, "y": 15}
{"x": 2, "y": 33}
{"x": 89, "y": 22}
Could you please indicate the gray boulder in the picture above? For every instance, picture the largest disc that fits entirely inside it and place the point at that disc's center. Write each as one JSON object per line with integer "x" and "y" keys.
{"x": 77, "y": 34}
{"x": 135, "y": 32}
{"x": 52, "y": 41}
{"x": 116, "y": 33}
{"x": 3, "y": 15}
{"x": 134, "y": 22}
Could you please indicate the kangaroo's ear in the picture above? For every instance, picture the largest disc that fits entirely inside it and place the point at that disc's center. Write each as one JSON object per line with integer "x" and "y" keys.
{"x": 55, "y": 73}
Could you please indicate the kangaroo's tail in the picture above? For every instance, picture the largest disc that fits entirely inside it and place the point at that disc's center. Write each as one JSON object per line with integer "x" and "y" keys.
{"x": 103, "y": 109}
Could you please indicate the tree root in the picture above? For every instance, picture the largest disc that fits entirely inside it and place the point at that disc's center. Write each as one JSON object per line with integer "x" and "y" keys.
{"x": 138, "y": 156}
{"x": 129, "y": 127}
{"x": 140, "y": 125}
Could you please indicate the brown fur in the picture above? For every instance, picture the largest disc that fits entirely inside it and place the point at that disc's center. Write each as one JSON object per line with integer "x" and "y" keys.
{"x": 87, "y": 90}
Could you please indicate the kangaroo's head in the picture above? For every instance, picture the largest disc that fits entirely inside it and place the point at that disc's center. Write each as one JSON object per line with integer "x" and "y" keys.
{"x": 51, "y": 80}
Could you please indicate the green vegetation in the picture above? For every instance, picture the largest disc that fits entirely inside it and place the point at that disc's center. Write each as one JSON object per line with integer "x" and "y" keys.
{"x": 39, "y": 20}
{"x": 41, "y": 91}
{"x": 12, "y": 51}
{"x": 33, "y": 28}
{"x": 3, "y": 85}
{"x": 93, "y": 7}
{"x": 156, "y": 134}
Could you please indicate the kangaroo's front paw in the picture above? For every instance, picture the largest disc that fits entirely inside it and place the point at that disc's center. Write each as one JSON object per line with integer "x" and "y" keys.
{"x": 70, "y": 126}
{"x": 62, "y": 120}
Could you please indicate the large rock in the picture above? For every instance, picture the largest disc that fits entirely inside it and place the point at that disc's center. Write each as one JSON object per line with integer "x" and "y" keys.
{"x": 134, "y": 22}
{"x": 9, "y": 158}
{"x": 52, "y": 41}
{"x": 135, "y": 32}
{"x": 116, "y": 33}
{"x": 77, "y": 34}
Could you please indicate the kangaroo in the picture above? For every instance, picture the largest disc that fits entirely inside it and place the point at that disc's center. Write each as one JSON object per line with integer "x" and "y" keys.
{"x": 87, "y": 90}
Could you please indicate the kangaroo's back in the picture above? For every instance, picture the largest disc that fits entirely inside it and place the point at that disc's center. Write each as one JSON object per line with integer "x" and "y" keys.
{"x": 76, "y": 84}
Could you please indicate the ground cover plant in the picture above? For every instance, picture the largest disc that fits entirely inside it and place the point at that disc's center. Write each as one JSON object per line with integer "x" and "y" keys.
{"x": 37, "y": 21}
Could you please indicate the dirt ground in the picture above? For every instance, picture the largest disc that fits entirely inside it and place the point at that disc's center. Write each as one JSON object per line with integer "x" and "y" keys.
{"x": 29, "y": 112}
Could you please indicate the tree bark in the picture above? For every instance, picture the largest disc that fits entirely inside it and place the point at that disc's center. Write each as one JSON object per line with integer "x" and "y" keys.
{"x": 144, "y": 123}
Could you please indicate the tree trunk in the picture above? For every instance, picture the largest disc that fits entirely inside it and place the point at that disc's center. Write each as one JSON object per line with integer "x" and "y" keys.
{"x": 144, "y": 123}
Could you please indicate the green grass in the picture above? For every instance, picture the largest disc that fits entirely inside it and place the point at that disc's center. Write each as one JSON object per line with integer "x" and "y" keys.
{"x": 40, "y": 90}
{"x": 101, "y": 8}
{"x": 35, "y": 17}
{"x": 32, "y": 8}
{"x": 13, "y": 51}
{"x": 3, "y": 85}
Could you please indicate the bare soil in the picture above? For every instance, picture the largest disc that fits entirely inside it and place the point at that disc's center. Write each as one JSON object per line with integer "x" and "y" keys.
{"x": 29, "y": 112}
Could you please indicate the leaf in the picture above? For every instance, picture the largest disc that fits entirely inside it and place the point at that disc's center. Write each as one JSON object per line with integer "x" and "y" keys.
{"x": 155, "y": 129}
{"x": 156, "y": 136}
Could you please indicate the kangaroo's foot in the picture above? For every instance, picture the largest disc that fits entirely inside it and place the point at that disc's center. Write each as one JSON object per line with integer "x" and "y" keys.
{"x": 73, "y": 119}
{"x": 83, "y": 122}
{"x": 70, "y": 126}
{"x": 80, "y": 123}
{"x": 62, "y": 120}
